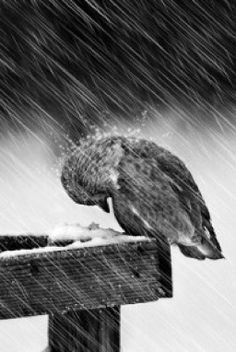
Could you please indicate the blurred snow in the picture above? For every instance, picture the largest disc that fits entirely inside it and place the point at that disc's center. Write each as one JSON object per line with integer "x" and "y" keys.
{"x": 201, "y": 316}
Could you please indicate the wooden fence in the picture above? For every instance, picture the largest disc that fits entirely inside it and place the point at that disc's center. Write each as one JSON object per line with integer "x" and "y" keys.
{"x": 82, "y": 289}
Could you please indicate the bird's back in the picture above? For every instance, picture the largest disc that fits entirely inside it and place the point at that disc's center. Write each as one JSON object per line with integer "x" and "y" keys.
{"x": 157, "y": 194}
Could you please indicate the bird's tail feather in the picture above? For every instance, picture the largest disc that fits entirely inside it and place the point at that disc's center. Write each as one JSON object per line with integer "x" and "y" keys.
{"x": 209, "y": 249}
{"x": 209, "y": 228}
{"x": 191, "y": 252}
{"x": 204, "y": 249}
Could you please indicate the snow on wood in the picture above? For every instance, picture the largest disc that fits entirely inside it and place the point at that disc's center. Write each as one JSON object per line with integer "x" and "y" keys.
{"x": 99, "y": 268}
{"x": 80, "y": 237}
{"x": 85, "y": 278}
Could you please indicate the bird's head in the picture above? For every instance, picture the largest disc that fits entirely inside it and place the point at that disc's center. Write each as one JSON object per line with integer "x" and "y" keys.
{"x": 78, "y": 189}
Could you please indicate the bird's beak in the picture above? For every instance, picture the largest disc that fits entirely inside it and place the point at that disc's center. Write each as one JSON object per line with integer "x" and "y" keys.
{"x": 102, "y": 203}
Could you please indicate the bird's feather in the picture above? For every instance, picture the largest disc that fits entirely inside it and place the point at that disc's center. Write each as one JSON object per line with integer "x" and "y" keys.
{"x": 184, "y": 186}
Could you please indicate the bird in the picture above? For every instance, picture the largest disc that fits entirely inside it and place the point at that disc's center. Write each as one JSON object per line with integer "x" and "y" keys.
{"x": 153, "y": 193}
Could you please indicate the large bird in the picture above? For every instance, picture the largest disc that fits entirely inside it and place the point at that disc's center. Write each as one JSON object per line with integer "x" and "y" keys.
{"x": 152, "y": 192}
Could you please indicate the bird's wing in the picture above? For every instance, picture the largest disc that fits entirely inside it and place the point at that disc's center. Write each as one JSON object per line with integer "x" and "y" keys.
{"x": 145, "y": 201}
{"x": 184, "y": 186}
{"x": 188, "y": 192}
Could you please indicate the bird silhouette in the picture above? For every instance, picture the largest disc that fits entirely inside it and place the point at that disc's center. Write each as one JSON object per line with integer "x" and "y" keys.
{"x": 153, "y": 193}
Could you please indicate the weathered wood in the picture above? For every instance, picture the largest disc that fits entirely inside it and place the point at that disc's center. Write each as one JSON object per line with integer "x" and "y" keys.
{"x": 96, "y": 330}
{"x": 24, "y": 241}
{"x": 85, "y": 278}
{"x": 165, "y": 267}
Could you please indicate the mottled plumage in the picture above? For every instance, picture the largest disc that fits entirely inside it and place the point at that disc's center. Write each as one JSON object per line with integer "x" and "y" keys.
{"x": 153, "y": 192}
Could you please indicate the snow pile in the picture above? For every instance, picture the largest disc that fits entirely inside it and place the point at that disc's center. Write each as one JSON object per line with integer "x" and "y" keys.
{"x": 76, "y": 232}
{"x": 90, "y": 236}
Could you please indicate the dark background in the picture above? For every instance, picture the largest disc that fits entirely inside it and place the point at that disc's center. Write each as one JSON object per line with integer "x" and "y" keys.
{"x": 74, "y": 64}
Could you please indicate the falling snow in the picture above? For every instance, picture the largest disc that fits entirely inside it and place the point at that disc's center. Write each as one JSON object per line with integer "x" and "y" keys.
{"x": 162, "y": 70}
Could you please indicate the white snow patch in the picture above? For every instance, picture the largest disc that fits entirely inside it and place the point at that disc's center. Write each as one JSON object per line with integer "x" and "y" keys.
{"x": 135, "y": 211}
{"x": 81, "y": 236}
{"x": 114, "y": 178}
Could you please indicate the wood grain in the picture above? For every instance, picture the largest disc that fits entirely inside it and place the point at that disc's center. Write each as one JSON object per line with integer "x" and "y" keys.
{"x": 79, "y": 279}
{"x": 96, "y": 330}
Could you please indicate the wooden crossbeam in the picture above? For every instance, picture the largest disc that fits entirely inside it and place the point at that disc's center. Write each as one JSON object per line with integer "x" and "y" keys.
{"x": 81, "y": 289}
{"x": 83, "y": 278}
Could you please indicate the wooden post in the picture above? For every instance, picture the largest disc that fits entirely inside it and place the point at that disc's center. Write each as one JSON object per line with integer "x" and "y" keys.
{"x": 96, "y": 330}
{"x": 81, "y": 289}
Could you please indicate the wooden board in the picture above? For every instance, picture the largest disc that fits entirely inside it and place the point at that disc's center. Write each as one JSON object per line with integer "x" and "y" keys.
{"x": 85, "y": 278}
{"x": 96, "y": 330}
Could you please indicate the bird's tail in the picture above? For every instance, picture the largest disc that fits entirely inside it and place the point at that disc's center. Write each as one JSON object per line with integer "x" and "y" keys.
{"x": 207, "y": 226}
{"x": 191, "y": 252}
{"x": 208, "y": 248}
{"x": 204, "y": 248}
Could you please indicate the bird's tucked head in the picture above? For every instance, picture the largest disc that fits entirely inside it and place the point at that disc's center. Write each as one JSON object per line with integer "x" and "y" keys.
{"x": 76, "y": 184}
{"x": 73, "y": 189}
